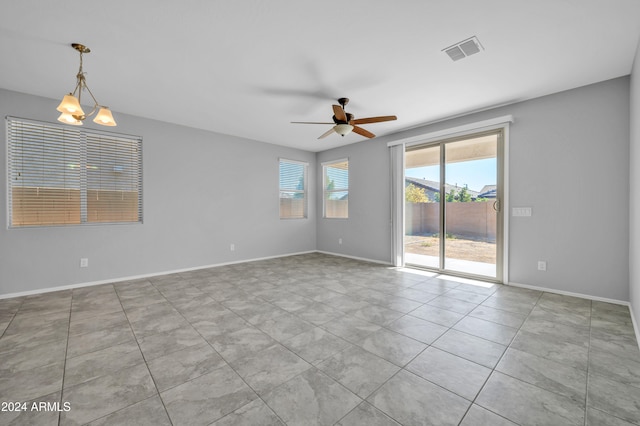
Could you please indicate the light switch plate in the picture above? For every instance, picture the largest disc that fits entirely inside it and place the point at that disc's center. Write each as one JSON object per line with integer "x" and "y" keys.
{"x": 521, "y": 211}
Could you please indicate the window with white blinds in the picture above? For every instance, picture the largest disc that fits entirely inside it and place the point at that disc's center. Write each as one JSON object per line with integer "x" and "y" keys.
{"x": 293, "y": 189}
{"x": 335, "y": 175}
{"x": 62, "y": 175}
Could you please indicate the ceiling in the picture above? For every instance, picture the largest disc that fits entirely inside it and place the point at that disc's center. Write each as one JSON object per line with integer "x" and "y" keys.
{"x": 248, "y": 68}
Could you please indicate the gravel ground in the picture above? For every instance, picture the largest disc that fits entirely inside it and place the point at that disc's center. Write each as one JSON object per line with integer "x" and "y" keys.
{"x": 459, "y": 247}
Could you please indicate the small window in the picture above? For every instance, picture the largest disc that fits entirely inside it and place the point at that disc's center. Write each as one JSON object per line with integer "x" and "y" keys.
{"x": 293, "y": 189}
{"x": 62, "y": 175}
{"x": 335, "y": 176}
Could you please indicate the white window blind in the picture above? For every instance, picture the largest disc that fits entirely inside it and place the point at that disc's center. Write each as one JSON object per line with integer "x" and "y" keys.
{"x": 335, "y": 176}
{"x": 293, "y": 189}
{"x": 61, "y": 175}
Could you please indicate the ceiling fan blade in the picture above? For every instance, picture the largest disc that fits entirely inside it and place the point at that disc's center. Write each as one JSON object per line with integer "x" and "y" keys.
{"x": 363, "y": 132}
{"x": 374, "y": 119}
{"x": 339, "y": 113}
{"x": 309, "y": 122}
{"x": 327, "y": 133}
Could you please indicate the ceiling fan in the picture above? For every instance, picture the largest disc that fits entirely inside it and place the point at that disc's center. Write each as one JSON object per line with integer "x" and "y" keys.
{"x": 345, "y": 123}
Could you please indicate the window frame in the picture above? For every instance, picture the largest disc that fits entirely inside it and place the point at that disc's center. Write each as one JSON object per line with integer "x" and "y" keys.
{"x": 79, "y": 137}
{"x": 326, "y": 192}
{"x": 304, "y": 191}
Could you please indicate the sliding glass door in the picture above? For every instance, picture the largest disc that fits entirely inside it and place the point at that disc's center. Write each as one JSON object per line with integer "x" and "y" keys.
{"x": 422, "y": 206}
{"x": 452, "y": 202}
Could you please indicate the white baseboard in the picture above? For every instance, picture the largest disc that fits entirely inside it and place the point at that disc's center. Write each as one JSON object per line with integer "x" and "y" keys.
{"x": 586, "y": 296}
{"x": 569, "y": 293}
{"x": 355, "y": 257}
{"x": 635, "y": 325}
{"x": 137, "y": 277}
{"x": 195, "y": 268}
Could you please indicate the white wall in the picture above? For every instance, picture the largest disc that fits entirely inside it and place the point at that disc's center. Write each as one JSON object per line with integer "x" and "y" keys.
{"x": 202, "y": 192}
{"x": 568, "y": 161}
{"x": 634, "y": 194}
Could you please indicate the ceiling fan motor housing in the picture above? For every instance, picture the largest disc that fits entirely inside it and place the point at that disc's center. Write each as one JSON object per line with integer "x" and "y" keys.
{"x": 350, "y": 117}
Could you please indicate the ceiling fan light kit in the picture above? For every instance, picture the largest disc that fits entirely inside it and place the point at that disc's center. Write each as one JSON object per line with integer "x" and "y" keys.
{"x": 346, "y": 123}
{"x": 343, "y": 129}
{"x": 69, "y": 107}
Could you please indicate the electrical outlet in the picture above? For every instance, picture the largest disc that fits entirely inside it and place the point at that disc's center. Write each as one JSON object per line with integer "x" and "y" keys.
{"x": 232, "y": 247}
{"x": 84, "y": 262}
{"x": 339, "y": 240}
{"x": 542, "y": 265}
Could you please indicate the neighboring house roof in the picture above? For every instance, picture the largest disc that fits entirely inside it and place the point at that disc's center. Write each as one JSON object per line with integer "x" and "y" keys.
{"x": 489, "y": 194}
{"x": 488, "y": 191}
{"x": 422, "y": 183}
{"x": 488, "y": 188}
{"x": 431, "y": 187}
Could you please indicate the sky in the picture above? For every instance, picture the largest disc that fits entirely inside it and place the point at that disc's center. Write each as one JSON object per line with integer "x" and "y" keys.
{"x": 475, "y": 174}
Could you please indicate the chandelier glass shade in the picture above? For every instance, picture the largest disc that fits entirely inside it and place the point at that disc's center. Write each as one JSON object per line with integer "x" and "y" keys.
{"x": 70, "y": 110}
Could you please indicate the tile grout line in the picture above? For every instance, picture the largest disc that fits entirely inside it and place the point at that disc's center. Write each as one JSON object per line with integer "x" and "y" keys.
{"x": 13, "y": 317}
{"x": 311, "y": 365}
{"x": 144, "y": 359}
{"x": 450, "y": 328}
{"x": 488, "y": 376}
{"x": 66, "y": 350}
{"x": 207, "y": 342}
{"x": 588, "y": 352}
{"x": 347, "y": 348}
{"x": 220, "y": 355}
{"x": 493, "y": 369}
{"x": 586, "y": 390}
{"x": 589, "y": 376}
{"x": 294, "y": 353}
{"x": 539, "y": 303}
{"x": 473, "y": 402}
{"x": 403, "y": 368}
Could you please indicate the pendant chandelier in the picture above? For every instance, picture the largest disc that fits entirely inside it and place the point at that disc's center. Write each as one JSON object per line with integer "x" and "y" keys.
{"x": 70, "y": 109}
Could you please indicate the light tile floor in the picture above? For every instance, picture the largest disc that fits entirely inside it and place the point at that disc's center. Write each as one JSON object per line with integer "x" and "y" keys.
{"x": 315, "y": 339}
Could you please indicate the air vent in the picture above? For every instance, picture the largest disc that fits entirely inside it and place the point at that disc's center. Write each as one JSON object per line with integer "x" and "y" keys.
{"x": 463, "y": 49}
{"x": 455, "y": 53}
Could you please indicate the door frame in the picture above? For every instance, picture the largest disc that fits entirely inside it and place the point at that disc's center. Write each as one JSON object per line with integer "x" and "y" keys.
{"x": 397, "y": 150}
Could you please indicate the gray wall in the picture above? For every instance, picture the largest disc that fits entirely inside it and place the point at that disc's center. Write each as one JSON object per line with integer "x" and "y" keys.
{"x": 367, "y": 231}
{"x": 567, "y": 150}
{"x": 634, "y": 197}
{"x": 202, "y": 192}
